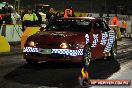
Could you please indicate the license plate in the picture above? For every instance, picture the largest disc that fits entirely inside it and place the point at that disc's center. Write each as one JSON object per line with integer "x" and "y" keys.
{"x": 44, "y": 51}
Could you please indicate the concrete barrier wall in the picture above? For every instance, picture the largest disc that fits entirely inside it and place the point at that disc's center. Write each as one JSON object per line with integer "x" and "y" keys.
{"x": 4, "y": 45}
{"x": 28, "y": 32}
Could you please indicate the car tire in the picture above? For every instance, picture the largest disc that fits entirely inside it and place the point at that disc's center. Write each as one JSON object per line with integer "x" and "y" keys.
{"x": 87, "y": 55}
{"x": 113, "y": 51}
{"x": 32, "y": 62}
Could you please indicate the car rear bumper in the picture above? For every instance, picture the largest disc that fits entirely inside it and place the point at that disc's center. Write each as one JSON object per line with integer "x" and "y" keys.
{"x": 71, "y": 52}
{"x": 53, "y": 57}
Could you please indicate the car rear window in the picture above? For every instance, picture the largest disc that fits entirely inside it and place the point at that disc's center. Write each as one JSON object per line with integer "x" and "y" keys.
{"x": 71, "y": 25}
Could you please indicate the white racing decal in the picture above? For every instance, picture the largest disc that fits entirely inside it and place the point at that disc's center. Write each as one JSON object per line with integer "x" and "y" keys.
{"x": 87, "y": 38}
{"x": 110, "y": 41}
{"x": 107, "y": 39}
{"x": 104, "y": 38}
{"x": 95, "y": 41}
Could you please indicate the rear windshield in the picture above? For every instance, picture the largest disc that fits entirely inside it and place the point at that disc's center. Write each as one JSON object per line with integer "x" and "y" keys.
{"x": 71, "y": 26}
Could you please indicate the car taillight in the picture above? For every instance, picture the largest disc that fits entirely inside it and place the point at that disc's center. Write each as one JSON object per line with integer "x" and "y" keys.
{"x": 76, "y": 46}
{"x": 63, "y": 45}
{"x": 81, "y": 45}
{"x": 32, "y": 44}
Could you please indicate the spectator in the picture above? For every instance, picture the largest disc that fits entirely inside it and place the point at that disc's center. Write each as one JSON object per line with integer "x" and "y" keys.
{"x": 29, "y": 18}
{"x": 58, "y": 15}
{"x": 115, "y": 20}
{"x": 7, "y": 14}
{"x": 50, "y": 16}
{"x": 124, "y": 28}
{"x": 39, "y": 21}
{"x": 100, "y": 16}
{"x": 70, "y": 7}
{"x": 69, "y": 12}
{"x": 107, "y": 19}
{"x": 24, "y": 11}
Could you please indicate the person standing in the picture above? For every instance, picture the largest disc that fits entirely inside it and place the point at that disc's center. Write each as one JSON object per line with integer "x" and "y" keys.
{"x": 50, "y": 16}
{"x": 115, "y": 20}
{"x": 39, "y": 21}
{"x": 58, "y": 15}
{"x": 6, "y": 18}
{"x": 7, "y": 14}
{"x": 68, "y": 12}
{"x": 29, "y": 18}
{"x": 107, "y": 19}
{"x": 124, "y": 24}
{"x": 117, "y": 28}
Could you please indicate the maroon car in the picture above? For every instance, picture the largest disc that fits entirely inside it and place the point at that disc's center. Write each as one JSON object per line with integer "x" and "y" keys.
{"x": 73, "y": 39}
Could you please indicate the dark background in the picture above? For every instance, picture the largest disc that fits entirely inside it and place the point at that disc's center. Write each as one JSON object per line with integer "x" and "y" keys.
{"x": 105, "y": 6}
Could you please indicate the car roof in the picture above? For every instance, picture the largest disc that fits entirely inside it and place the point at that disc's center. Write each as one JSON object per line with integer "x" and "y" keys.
{"x": 77, "y": 18}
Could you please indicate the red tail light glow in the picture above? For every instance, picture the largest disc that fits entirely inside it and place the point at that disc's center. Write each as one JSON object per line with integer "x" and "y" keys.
{"x": 32, "y": 44}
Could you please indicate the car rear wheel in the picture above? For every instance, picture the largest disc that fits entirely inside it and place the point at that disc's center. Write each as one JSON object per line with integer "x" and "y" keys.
{"x": 33, "y": 62}
{"x": 113, "y": 51}
{"x": 87, "y": 55}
